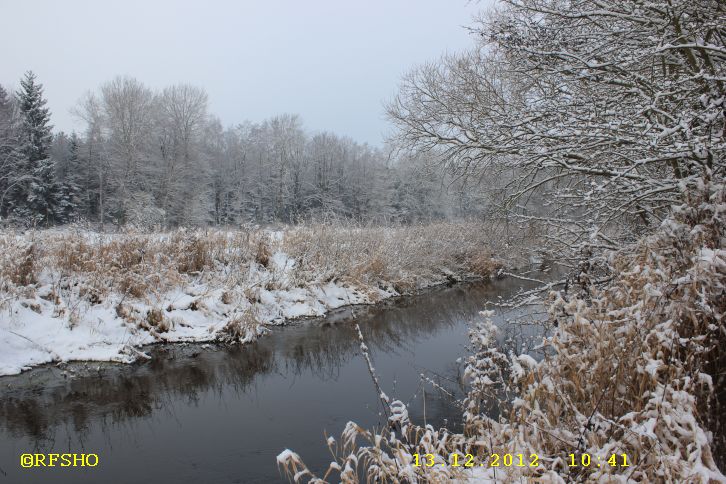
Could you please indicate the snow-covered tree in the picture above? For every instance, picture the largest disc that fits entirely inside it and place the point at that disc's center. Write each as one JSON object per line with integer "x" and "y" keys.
{"x": 127, "y": 108}
{"x": 8, "y": 153}
{"x": 6, "y": 112}
{"x": 71, "y": 176}
{"x": 33, "y": 199}
{"x": 600, "y": 110}
{"x": 93, "y": 157}
{"x": 181, "y": 191}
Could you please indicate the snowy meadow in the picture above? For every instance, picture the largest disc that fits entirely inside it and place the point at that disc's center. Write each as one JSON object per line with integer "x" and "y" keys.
{"x": 79, "y": 295}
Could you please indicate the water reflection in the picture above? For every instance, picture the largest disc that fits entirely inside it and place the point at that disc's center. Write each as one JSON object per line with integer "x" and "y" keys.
{"x": 239, "y": 406}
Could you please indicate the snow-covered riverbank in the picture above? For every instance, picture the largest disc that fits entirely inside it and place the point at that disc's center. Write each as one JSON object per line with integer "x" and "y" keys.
{"x": 41, "y": 329}
{"x": 82, "y": 296}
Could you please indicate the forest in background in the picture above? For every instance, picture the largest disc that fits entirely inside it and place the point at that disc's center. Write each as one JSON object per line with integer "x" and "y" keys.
{"x": 610, "y": 116}
{"x": 161, "y": 160}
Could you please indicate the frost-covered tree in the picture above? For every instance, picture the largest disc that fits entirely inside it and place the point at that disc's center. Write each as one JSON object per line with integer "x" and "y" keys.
{"x": 126, "y": 115}
{"x": 71, "y": 176}
{"x": 8, "y": 143}
{"x": 224, "y": 208}
{"x": 284, "y": 138}
{"x": 92, "y": 155}
{"x": 600, "y": 110}
{"x": 6, "y": 114}
{"x": 33, "y": 198}
{"x": 182, "y": 189}
{"x": 323, "y": 150}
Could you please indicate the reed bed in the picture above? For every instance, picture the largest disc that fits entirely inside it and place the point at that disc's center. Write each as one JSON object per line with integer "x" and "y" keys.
{"x": 634, "y": 368}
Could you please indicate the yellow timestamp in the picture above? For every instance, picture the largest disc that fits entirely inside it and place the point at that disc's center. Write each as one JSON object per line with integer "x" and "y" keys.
{"x": 515, "y": 460}
{"x": 587, "y": 460}
{"x": 469, "y": 460}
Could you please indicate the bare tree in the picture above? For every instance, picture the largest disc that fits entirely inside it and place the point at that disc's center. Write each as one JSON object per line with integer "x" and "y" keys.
{"x": 127, "y": 107}
{"x": 601, "y": 110}
{"x": 180, "y": 119}
{"x": 89, "y": 110}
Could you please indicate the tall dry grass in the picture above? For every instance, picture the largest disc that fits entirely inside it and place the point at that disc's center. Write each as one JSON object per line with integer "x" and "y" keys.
{"x": 635, "y": 367}
{"x": 404, "y": 255}
{"x": 139, "y": 275}
{"x": 136, "y": 264}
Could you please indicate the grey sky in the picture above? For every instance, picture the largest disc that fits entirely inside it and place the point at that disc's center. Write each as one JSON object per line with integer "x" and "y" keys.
{"x": 331, "y": 61}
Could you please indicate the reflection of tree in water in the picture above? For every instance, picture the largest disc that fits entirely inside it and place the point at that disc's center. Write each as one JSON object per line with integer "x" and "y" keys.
{"x": 389, "y": 327}
{"x": 42, "y": 400}
{"x": 27, "y": 414}
{"x": 396, "y": 325}
{"x": 116, "y": 394}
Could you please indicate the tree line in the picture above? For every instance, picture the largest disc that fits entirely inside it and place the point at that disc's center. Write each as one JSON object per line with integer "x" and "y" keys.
{"x": 160, "y": 159}
{"x": 595, "y": 117}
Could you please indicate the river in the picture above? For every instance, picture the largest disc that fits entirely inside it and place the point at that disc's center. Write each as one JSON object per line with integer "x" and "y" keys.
{"x": 208, "y": 413}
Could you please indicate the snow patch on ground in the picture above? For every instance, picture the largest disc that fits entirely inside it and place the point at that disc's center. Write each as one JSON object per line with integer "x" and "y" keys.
{"x": 41, "y": 328}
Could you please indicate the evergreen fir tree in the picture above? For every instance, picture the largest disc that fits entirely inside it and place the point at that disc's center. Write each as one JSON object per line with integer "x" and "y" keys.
{"x": 36, "y": 197}
{"x": 69, "y": 172}
{"x": 6, "y": 110}
{"x": 7, "y": 148}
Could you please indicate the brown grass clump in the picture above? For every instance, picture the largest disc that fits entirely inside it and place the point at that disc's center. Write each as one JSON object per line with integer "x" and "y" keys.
{"x": 76, "y": 255}
{"x": 403, "y": 286}
{"x": 126, "y": 253}
{"x": 193, "y": 254}
{"x": 252, "y": 294}
{"x": 90, "y": 293}
{"x": 122, "y": 311}
{"x": 239, "y": 328}
{"x": 23, "y": 272}
{"x": 133, "y": 285}
{"x": 35, "y": 307}
{"x": 483, "y": 264}
{"x": 374, "y": 269}
{"x": 263, "y": 254}
{"x": 156, "y": 319}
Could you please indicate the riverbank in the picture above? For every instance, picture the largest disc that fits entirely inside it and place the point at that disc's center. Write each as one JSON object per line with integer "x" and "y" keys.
{"x": 630, "y": 390}
{"x": 75, "y": 295}
{"x": 243, "y": 403}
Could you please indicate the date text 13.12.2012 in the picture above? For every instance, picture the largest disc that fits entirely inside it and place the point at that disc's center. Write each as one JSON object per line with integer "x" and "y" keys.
{"x": 517, "y": 460}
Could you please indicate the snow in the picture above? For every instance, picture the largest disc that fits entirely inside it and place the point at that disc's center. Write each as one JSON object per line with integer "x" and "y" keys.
{"x": 285, "y": 456}
{"x": 527, "y": 361}
{"x": 652, "y": 366}
{"x": 30, "y": 339}
{"x": 36, "y": 331}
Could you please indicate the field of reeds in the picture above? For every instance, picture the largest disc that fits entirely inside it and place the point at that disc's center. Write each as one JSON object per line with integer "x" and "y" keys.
{"x": 205, "y": 285}
{"x": 631, "y": 387}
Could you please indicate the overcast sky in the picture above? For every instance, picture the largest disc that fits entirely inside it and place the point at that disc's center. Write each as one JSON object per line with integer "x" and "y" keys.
{"x": 332, "y": 61}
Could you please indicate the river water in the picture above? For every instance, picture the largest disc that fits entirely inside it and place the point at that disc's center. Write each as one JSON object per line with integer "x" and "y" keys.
{"x": 208, "y": 414}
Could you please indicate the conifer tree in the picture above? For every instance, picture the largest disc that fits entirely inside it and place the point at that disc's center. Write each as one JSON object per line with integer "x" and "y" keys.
{"x": 6, "y": 110}
{"x": 70, "y": 176}
{"x": 7, "y": 148}
{"x": 35, "y": 198}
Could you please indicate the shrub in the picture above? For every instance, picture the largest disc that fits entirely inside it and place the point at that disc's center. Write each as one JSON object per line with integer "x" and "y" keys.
{"x": 634, "y": 367}
{"x": 240, "y": 328}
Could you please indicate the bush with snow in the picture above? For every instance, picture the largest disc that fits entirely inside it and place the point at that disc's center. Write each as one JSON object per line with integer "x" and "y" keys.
{"x": 632, "y": 368}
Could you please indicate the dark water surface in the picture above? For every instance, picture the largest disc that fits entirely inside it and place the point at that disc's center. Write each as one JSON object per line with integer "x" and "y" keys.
{"x": 197, "y": 414}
